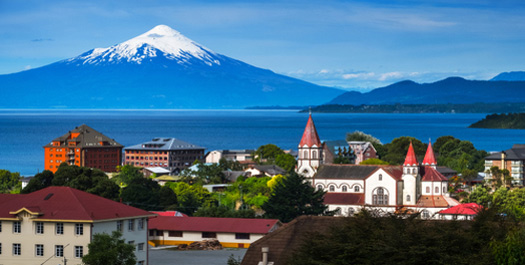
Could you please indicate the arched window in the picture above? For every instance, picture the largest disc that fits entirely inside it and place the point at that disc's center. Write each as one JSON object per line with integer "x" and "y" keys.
{"x": 338, "y": 211}
{"x": 428, "y": 189}
{"x": 332, "y": 188}
{"x": 320, "y": 187}
{"x": 413, "y": 171}
{"x": 305, "y": 154}
{"x": 314, "y": 154}
{"x": 408, "y": 198}
{"x": 345, "y": 189}
{"x": 425, "y": 214}
{"x": 351, "y": 211}
{"x": 437, "y": 190}
{"x": 380, "y": 177}
{"x": 380, "y": 197}
{"x": 356, "y": 189}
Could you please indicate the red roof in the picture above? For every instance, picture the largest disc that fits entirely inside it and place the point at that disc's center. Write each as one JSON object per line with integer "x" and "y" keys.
{"x": 429, "y": 159}
{"x": 434, "y": 201}
{"x": 65, "y": 203}
{"x": 214, "y": 224}
{"x": 411, "y": 159}
{"x": 344, "y": 198}
{"x": 171, "y": 213}
{"x": 310, "y": 137}
{"x": 463, "y": 209}
{"x": 431, "y": 174}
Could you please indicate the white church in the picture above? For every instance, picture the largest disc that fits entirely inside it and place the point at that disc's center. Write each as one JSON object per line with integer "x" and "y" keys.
{"x": 412, "y": 187}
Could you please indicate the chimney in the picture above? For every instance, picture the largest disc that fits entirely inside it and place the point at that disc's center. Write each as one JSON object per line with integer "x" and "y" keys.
{"x": 265, "y": 251}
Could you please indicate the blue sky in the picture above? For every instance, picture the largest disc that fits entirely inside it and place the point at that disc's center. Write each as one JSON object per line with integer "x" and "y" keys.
{"x": 348, "y": 44}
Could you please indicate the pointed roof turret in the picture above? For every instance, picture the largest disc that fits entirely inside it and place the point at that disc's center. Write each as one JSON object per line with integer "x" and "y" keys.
{"x": 310, "y": 137}
{"x": 430, "y": 159}
{"x": 411, "y": 159}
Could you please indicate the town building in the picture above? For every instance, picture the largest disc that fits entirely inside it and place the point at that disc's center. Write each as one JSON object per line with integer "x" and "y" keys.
{"x": 465, "y": 211}
{"x": 310, "y": 151}
{"x": 512, "y": 160}
{"x": 362, "y": 151}
{"x": 84, "y": 147}
{"x": 57, "y": 223}
{"x": 230, "y": 232}
{"x": 171, "y": 153}
{"x": 263, "y": 171}
{"x": 241, "y": 155}
{"x": 337, "y": 150}
{"x": 408, "y": 188}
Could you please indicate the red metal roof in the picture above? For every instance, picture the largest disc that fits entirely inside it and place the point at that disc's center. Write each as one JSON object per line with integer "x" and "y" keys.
{"x": 310, "y": 137}
{"x": 65, "y": 203}
{"x": 430, "y": 159}
{"x": 171, "y": 213}
{"x": 344, "y": 198}
{"x": 214, "y": 224}
{"x": 463, "y": 209}
{"x": 431, "y": 174}
{"x": 410, "y": 159}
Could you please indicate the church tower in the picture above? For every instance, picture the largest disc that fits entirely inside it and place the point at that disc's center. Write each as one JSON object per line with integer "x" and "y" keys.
{"x": 310, "y": 150}
{"x": 430, "y": 159}
{"x": 411, "y": 178}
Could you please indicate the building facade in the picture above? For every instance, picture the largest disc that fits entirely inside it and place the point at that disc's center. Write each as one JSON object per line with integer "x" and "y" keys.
{"x": 241, "y": 155}
{"x": 362, "y": 151}
{"x": 57, "y": 223}
{"x": 512, "y": 160}
{"x": 84, "y": 147}
{"x": 171, "y": 153}
{"x": 310, "y": 151}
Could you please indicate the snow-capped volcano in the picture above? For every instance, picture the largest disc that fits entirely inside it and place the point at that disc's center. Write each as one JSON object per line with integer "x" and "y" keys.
{"x": 160, "y": 69}
{"x": 159, "y": 41}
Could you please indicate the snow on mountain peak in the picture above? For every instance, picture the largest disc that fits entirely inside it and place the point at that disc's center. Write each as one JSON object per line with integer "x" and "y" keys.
{"x": 171, "y": 44}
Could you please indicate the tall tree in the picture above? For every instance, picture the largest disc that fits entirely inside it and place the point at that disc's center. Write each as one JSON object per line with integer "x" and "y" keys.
{"x": 39, "y": 181}
{"x": 109, "y": 249}
{"x": 9, "y": 181}
{"x": 292, "y": 197}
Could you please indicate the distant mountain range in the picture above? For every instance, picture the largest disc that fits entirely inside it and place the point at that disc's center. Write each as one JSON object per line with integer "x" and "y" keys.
{"x": 160, "y": 69}
{"x": 510, "y": 76}
{"x": 453, "y": 90}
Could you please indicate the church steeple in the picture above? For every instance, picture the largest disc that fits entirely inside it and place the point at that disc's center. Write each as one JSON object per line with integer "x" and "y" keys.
{"x": 430, "y": 159}
{"x": 410, "y": 159}
{"x": 310, "y": 137}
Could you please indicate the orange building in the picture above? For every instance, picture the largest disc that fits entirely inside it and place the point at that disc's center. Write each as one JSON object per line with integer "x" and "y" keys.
{"x": 84, "y": 147}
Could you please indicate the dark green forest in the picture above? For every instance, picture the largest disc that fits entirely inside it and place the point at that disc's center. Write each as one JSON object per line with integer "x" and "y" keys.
{"x": 502, "y": 121}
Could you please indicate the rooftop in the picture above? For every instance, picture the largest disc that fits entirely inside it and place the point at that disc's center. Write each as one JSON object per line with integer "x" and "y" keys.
{"x": 85, "y": 136}
{"x": 164, "y": 144}
{"x": 214, "y": 224}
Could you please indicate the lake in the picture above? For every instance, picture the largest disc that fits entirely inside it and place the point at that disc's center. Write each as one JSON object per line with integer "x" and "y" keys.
{"x": 24, "y": 133}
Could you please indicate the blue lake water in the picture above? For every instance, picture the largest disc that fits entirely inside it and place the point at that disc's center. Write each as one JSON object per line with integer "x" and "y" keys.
{"x": 23, "y": 133}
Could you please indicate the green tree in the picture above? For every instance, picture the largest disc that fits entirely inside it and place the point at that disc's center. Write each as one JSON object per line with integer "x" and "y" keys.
{"x": 191, "y": 197}
{"x": 226, "y": 164}
{"x": 398, "y": 148}
{"x": 361, "y": 136}
{"x": 285, "y": 161}
{"x": 267, "y": 153}
{"x": 126, "y": 174}
{"x": 91, "y": 180}
{"x": 9, "y": 181}
{"x": 510, "y": 251}
{"x": 109, "y": 249}
{"x": 224, "y": 211}
{"x": 374, "y": 161}
{"x": 479, "y": 195}
{"x": 469, "y": 175}
{"x": 292, "y": 197}
{"x": 39, "y": 181}
{"x": 142, "y": 193}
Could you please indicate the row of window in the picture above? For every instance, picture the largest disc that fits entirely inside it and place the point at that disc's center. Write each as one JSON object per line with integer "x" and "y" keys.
{"x": 204, "y": 234}
{"x": 131, "y": 225}
{"x": 343, "y": 189}
{"x": 39, "y": 250}
{"x": 146, "y": 158}
{"x": 39, "y": 228}
{"x": 436, "y": 190}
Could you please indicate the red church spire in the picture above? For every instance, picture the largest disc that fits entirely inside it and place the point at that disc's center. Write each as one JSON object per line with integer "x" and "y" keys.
{"x": 310, "y": 137}
{"x": 430, "y": 159}
{"x": 411, "y": 159}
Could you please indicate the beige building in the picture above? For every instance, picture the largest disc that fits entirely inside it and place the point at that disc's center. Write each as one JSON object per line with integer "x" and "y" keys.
{"x": 55, "y": 225}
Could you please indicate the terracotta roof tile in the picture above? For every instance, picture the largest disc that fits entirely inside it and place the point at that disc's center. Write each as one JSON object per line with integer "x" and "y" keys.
{"x": 310, "y": 137}
{"x": 213, "y": 224}
{"x": 431, "y": 174}
{"x": 432, "y": 201}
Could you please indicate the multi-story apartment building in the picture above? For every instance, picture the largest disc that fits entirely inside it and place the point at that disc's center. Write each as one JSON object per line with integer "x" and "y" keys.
{"x": 512, "y": 160}
{"x": 57, "y": 223}
{"x": 83, "y": 147}
{"x": 170, "y": 153}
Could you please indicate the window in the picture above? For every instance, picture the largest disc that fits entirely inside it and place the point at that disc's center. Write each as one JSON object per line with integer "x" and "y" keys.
{"x": 209, "y": 235}
{"x": 0, "y": 226}
{"x": 17, "y": 249}
{"x": 39, "y": 227}
{"x": 59, "y": 250}
{"x": 320, "y": 187}
{"x": 140, "y": 247}
{"x": 79, "y": 229}
{"x": 356, "y": 189}
{"x": 444, "y": 191}
{"x": 17, "y": 227}
{"x": 140, "y": 224}
{"x": 141, "y": 262}
{"x": 345, "y": 189}
{"x": 39, "y": 250}
{"x": 425, "y": 214}
{"x": 428, "y": 189}
{"x": 79, "y": 251}
{"x": 380, "y": 176}
{"x": 351, "y": 211}
{"x": 131, "y": 225}
{"x": 59, "y": 228}
{"x": 119, "y": 225}
{"x": 242, "y": 236}
{"x": 305, "y": 156}
{"x": 380, "y": 197}
{"x": 175, "y": 233}
{"x": 408, "y": 198}
{"x": 314, "y": 154}
{"x": 0, "y": 248}
{"x": 437, "y": 189}
{"x": 132, "y": 242}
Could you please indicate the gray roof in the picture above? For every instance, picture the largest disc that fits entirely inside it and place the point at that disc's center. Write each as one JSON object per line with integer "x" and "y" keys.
{"x": 344, "y": 172}
{"x": 517, "y": 152}
{"x": 88, "y": 137}
{"x": 445, "y": 170}
{"x": 164, "y": 144}
{"x": 270, "y": 169}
